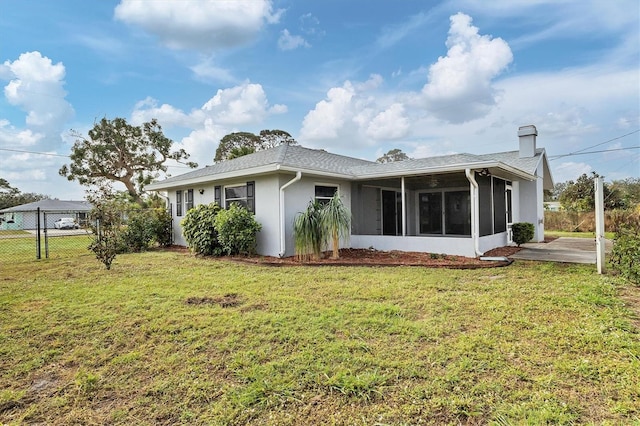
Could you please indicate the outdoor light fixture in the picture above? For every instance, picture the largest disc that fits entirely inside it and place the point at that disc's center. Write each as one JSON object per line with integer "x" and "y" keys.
{"x": 484, "y": 172}
{"x": 201, "y": 191}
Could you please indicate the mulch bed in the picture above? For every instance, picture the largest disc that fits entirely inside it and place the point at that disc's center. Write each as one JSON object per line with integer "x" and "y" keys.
{"x": 372, "y": 257}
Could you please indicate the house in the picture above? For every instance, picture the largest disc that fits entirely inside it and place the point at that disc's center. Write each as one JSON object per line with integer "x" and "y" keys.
{"x": 25, "y": 216}
{"x": 459, "y": 204}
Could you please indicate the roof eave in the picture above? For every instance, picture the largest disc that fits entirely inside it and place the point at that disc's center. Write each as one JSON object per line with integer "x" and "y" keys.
{"x": 449, "y": 169}
{"x": 253, "y": 171}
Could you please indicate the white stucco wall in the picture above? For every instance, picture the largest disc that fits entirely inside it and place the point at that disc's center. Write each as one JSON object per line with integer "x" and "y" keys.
{"x": 297, "y": 197}
{"x": 531, "y": 208}
{"x": 448, "y": 245}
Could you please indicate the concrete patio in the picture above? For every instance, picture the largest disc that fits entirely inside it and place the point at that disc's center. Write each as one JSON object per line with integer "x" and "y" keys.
{"x": 563, "y": 249}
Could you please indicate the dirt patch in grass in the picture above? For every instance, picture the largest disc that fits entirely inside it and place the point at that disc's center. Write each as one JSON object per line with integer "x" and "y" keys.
{"x": 372, "y": 257}
{"x": 227, "y": 301}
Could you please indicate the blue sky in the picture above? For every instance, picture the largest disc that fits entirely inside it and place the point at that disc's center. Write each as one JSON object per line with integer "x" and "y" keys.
{"x": 353, "y": 77}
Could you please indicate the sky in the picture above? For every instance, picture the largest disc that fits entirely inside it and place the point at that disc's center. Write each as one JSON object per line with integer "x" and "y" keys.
{"x": 356, "y": 77}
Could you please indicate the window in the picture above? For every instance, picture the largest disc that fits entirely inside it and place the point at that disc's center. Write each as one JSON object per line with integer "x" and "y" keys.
{"x": 444, "y": 212}
{"x": 188, "y": 202}
{"x": 179, "y": 203}
{"x": 324, "y": 193}
{"x": 243, "y": 195}
{"x": 430, "y": 206}
{"x": 457, "y": 214}
{"x": 495, "y": 204}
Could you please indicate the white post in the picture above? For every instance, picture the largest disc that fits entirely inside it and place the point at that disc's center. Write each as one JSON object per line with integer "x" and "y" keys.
{"x": 600, "y": 240}
{"x": 404, "y": 208}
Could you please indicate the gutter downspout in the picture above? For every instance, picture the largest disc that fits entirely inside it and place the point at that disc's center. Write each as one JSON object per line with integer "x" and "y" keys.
{"x": 475, "y": 216}
{"x": 283, "y": 241}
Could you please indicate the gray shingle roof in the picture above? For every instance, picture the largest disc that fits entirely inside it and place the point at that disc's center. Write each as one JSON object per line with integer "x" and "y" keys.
{"x": 50, "y": 206}
{"x": 320, "y": 161}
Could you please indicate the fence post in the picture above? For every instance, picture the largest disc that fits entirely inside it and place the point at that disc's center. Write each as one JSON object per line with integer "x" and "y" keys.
{"x": 38, "y": 256}
{"x": 46, "y": 236}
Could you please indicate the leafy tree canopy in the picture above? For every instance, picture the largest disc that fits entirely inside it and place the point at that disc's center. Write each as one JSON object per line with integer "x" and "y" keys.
{"x": 11, "y": 197}
{"x": 579, "y": 196}
{"x": 393, "y": 155}
{"x": 119, "y": 152}
{"x": 237, "y": 144}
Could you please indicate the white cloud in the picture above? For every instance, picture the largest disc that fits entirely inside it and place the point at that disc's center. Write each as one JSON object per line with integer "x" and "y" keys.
{"x": 459, "y": 87}
{"x": 36, "y": 87}
{"x": 329, "y": 115}
{"x": 353, "y": 112}
{"x": 570, "y": 171}
{"x": 389, "y": 124}
{"x": 242, "y": 105}
{"x": 208, "y": 71}
{"x": 287, "y": 41}
{"x": 10, "y": 136}
{"x": 205, "y": 25}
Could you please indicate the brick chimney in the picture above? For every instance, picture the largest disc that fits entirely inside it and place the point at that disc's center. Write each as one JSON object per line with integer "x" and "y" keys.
{"x": 527, "y": 136}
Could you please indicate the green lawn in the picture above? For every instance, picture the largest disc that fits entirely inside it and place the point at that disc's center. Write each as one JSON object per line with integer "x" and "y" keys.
{"x": 167, "y": 338}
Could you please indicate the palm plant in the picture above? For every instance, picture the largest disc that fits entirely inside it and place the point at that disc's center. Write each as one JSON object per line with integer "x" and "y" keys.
{"x": 308, "y": 233}
{"x": 335, "y": 220}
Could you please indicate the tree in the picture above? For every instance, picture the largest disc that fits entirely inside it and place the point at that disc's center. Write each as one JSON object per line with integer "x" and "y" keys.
{"x": 10, "y": 196}
{"x": 579, "y": 196}
{"x": 274, "y": 138}
{"x": 6, "y": 188}
{"x": 119, "y": 152}
{"x": 393, "y": 155}
{"x": 336, "y": 221}
{"x": 628, "y": 191}
{"x": 237, "y": 144}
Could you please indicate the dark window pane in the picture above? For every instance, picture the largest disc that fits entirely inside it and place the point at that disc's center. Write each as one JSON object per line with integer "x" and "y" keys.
{"x": 457, "y": 213}
{"x": 499, "y": 206}
{"x": 325, "y": 191}
{"x": 178, "y": 203}
{"x": 430, "y": 205}
{"x": 235, "y": 192}
{"x": 486, "y": 204}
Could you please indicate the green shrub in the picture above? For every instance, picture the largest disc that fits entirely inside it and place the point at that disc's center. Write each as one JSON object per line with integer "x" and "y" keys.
{"x": 198, "y": 228}
{"x": 106, "y": 226}
{"x": 237, "y": 230}
{"x": 145, "y": 227}
{"x": 522, "y": 232}
{"x": 308, "y": 233}
{"x": 625, "y": 256}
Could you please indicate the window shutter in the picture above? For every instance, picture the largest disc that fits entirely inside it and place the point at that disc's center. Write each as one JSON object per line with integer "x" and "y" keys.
{"x": 251, "y": 203}
{"x": 217, "y": 195}
{"x": 179, "y": 203}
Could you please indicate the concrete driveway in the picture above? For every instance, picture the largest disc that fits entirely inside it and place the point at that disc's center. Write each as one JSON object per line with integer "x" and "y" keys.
{"x": 563, "y": 249}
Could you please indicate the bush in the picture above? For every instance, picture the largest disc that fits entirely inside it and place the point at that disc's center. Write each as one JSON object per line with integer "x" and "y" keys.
{"x": 625, "y": 256}
{"x": 198, "y": 228}
{"x": 106, "y": 226}
{"x": 307, "y": 233}
{"x": 237, "y": 230}
{"x": 522, "y": 232}
{"x": 144, "y": 227}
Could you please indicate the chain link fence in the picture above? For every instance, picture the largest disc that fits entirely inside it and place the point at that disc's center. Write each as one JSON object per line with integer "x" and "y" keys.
{"x": 27, "y": 236}
{"x": 32, "y": 235}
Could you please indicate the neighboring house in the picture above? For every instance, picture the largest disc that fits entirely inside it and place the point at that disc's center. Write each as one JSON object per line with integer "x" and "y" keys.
{"x": 459, "y": 204}
{"x": 25, "y": 216}
{"x": 552, "y": 206}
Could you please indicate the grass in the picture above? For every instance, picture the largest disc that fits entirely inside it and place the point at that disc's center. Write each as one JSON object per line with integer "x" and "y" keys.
{"x": 166, "y": 338}
{"x": 14, "y": 249}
